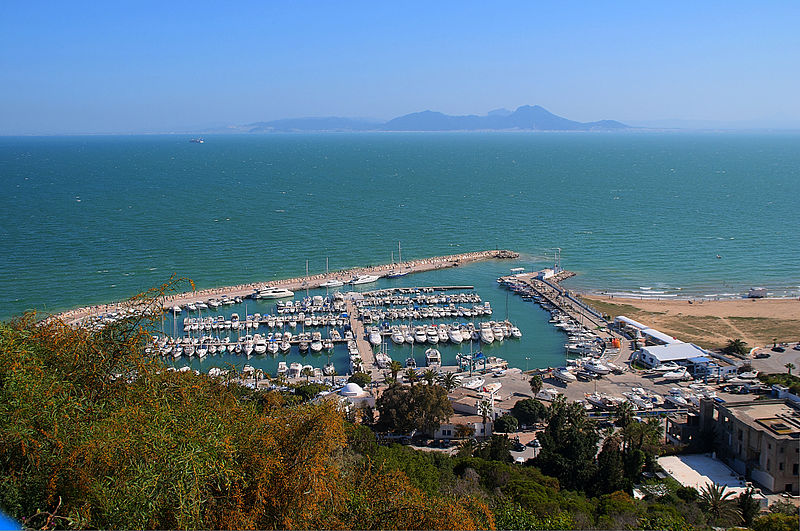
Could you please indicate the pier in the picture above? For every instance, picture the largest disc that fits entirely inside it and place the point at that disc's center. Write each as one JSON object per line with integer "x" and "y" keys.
{"x": 76, "y": 316}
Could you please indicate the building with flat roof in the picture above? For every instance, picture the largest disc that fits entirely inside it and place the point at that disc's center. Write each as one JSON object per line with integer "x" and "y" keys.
{"x": 759, "y": 439}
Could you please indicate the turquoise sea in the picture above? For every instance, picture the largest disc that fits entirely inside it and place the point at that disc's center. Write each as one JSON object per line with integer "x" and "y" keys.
{"x": 85, "y": 220}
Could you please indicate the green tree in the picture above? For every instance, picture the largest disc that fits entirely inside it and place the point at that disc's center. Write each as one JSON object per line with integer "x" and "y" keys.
{"x": 569, "y": 445}
{"x": 506, "y": 424}
{"x": 395, "y": 367}
{"x": 610, "y": 470}
{"x": 462, "y": 431}
{"x": 403, "y": 408}
{"x": 790, "y": 366}
{"x": 529, "y": 411}
{"x": 497, "y": 448}
{"x": 736, "y": 346}
{"x": 411, "y": 376}
{"x": 307, "y": 372}
{"x": 362, "y": 379}
{"x": 719, "y": 504}
{"x": 536, "y": 384}
{"x": 775, "y": 522}
{"x": 449, "y": 381}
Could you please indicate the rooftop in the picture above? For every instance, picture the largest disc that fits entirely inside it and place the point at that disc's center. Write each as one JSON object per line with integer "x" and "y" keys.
{"x": 699, "y": 470}
{"x": 780, "y": 417}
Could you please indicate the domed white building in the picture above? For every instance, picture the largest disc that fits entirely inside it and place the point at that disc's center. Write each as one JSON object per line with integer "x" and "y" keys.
{"x": 355, "y": 395}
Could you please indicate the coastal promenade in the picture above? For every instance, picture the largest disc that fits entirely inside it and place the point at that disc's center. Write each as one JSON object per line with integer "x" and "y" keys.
{"x": 75, "y": 316}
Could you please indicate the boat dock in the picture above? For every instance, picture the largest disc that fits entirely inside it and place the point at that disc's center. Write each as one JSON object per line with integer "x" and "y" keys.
{"x": 359, "y": 334}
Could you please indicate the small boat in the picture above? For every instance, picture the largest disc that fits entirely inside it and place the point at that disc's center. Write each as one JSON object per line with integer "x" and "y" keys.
{"x": 329, "y": 369}
{"x": 432, "y": 335}
{"x": 397, "y": 336}
{"x": 515, "y": 332}
{"x": 667, "y": 367}
{"x": 294, "y": 370}
{"x": 316, "y": 342}
{"x": 679, "y": 375}
{"x": 197, "y": 141}
{"x": 486, "y": 334}
{"x": 332, "y": 283}
{"x": 474, "y": 383}
{"x": 411, "y": 363}
{"x": 454, "y": 334}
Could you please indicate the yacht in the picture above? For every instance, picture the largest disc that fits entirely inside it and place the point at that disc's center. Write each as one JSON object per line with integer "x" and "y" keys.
{"x": 454, "y": 334}
{"x": 329, "y": 369}
{"x": 515, "y": 332}
{"x": 248, "y": 345}
{"x": 397, "y": 336}
{"x": 375, "y": 336}
{"x": 411, "y": 363}
{"x": 433, "y": 358}
{"x": 667, "y": 367}
{"x": 596, "y": 367}
{"x": 432, "y": 335}
{"x": 563, "y": 374}
{"x": 332, "y": 283}
{"x": 603, "y": 400}
{"x": 363, "y": 279}
{"x": 474, "y": 383}
{"x": 419, "y": 335}
{"x": 382, "y": 360}
{"x": 274, "y": 345}
{"x": 681, "y": 374}
{"x": 273, "y": 293}
{"x": 442, "y": 331}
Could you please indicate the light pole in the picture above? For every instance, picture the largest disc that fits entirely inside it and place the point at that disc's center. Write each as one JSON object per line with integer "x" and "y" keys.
{"x": 526, "y": 363}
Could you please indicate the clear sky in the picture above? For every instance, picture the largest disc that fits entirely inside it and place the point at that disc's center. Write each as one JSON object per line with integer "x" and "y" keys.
{"x": 72, "y": 66}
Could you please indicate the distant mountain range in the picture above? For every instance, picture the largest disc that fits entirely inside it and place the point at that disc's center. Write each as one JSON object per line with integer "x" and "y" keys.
{"x": 525, "y": 118}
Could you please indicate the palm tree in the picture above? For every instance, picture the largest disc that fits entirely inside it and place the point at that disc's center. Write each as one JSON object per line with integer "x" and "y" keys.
{"x": 429, "y": 376}
{"x": 485, "y": 409}
{"x": 411, "y": 376}
{"x": 308, "y": 373}
{"x": 717, "y": 503}
{"x": 395, "y": 367}
{"x": 790, "y": 366}
{"x": 449, "y": 380}
{"x": 536, "y": 384}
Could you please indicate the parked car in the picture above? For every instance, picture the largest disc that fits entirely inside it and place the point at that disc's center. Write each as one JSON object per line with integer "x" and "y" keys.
{"x": 534, "y": 444}
{"x": 518, "y": 446}
{"x": 762, "y": 355}
{"x": 778, "y": 348}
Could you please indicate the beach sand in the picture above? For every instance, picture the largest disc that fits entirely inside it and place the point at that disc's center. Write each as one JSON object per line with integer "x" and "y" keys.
{"x": 711, "y": 323}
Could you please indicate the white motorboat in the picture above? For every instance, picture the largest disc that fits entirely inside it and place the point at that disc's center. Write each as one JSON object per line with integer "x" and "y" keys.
{"x": 442, "y": 331}
{"x": 603, "y": 400}
{"x": 397, "y": 336}
{"x": 259, "y": 344}
{"x": 564, "y": 375}
{"x": 454, "y": 334}
{"x": 375, "y": 336}
{"x": 596, "y": 367}
{"x": 316, "y": 342}
{"x": 432, "y": 335}
{"x": 419, "y": 335}
{"x": 332, "y": 283}
{"x": 474, "y": 383}
{"x": 273, "y": 293}
{"x": 329, "y": 369}
{"x": 382, "y": 360}
{"x": 678, "y": 375}
{"x": 487, "y": 336}
{"x": 363, "y": 279}
{"x": 497, "y": 330}
{"x": 282, "y": 368}
{"x": 433, "y": 358}
{"x": 667, "y": 367}
{"x": 548, "y": 393}
{"x": 411, "y": 363}
{"x": 676, "y": 398}
{"x": 516, "y": 333}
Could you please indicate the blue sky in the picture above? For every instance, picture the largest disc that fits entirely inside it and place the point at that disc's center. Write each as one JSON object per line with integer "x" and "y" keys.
{"x": 70, "y": 67}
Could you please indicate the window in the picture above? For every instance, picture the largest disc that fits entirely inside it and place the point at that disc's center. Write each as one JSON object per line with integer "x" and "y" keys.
{"x": 740, "y": 435}
{"x": 769, "y": 446}
{"x": 794, "y": 469}
{"x": 780, "y": 449}
{"x": 768, "y": 465}
{"x": 780, "y": 466}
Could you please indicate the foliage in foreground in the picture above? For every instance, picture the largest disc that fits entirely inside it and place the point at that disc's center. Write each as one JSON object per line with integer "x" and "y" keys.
{"x": 101, "y": 437}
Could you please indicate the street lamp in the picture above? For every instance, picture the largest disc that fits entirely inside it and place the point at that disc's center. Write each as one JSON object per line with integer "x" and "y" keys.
{"x": 526, "y": 363}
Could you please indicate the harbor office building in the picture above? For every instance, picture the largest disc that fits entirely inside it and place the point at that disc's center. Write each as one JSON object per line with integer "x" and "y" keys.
{"x": 758, "y": 439}
{"x": 660, "y": 348}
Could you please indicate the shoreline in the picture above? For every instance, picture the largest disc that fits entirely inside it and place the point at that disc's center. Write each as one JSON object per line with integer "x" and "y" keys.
{"x": 710, "y": 322}
{"x": 311, "y": 281}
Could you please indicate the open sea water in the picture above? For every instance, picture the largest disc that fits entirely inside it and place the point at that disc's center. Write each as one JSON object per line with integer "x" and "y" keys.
{"x": 87, "y": 220}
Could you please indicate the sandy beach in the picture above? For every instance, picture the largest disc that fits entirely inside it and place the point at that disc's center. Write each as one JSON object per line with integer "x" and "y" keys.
{"x": 311, "y": 281}
{"x": 711, "y": 323}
